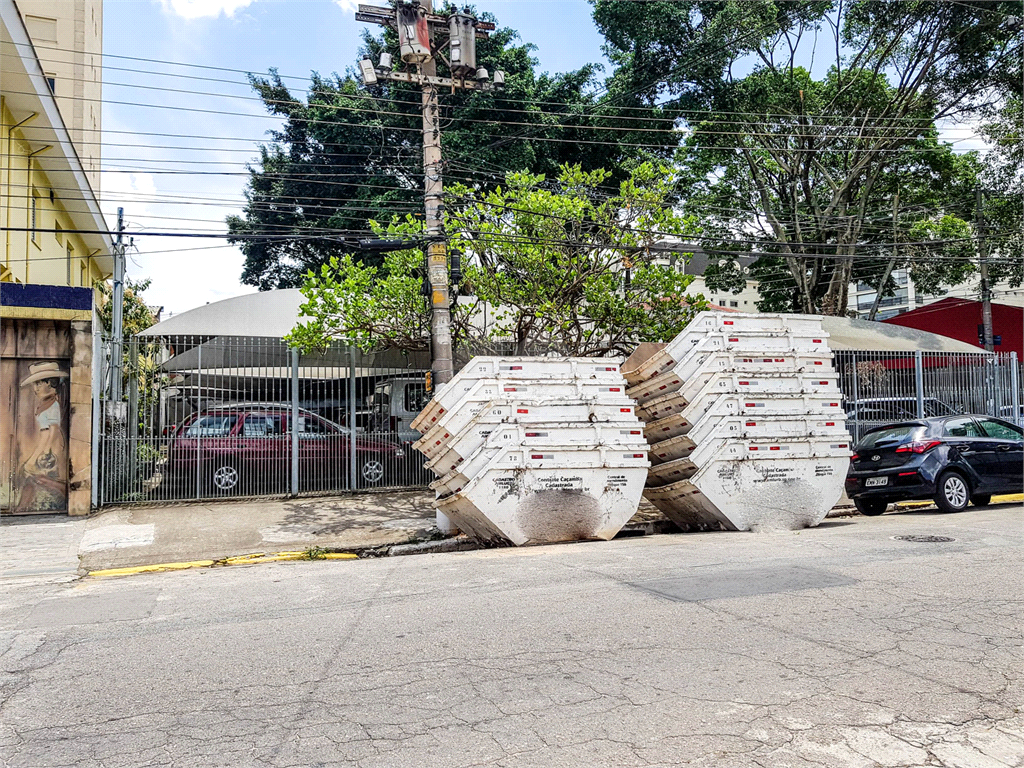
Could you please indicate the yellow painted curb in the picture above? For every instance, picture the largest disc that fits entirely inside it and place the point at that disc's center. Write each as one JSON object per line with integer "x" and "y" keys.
{"x": 152, "y": 568}
{"x": 250, "y": 559}
{"x": 1007, "y": 498}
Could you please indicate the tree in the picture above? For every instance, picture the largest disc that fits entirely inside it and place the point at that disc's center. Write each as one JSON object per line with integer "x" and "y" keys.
{"x": 804, "y": 167}
{"x": 547, "y": 267}
{"x": 349, "y": 153}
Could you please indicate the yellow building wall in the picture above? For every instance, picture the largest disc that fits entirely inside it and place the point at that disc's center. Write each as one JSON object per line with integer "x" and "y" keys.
{"x": 40, "y": 257}
{"x": 68, "y": 40}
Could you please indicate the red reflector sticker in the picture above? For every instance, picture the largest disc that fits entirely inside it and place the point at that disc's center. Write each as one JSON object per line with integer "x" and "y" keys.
{"x": 750, "y": 405}
{"x": 522, "y": 410}
{"x": 533, "y": 434}
{"x": 665, "y": 429}
{"x": 662, "y": 386}
{"x": 816, "y": 341}
{"x": 614, "y": 389}
{"x": 537, "y": 456}
{"x": 744, "y": 383}
{"x": 510, "y": 389}
{"x": 638, "y": 455}
{"x": 774, "y": 448}
{"x": 515, "y": 367}
{"x": 734, "y": 338}
{"x": 752, "y": 448}
{"x": 751, "y": 424}
{"x": 833, "y": 405}
{"x": 830, "y": 423}
{"x": 728, "y": 322}
{"x": 818, "y": 362}
{"x": 611, "y": 369}
{"x": 634, "y": 432}
{"x": 625, "y": 410}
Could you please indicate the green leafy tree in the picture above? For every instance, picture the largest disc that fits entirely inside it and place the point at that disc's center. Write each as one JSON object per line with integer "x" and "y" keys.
{"x": 806, "y": 168}
{"x": 348, "y": 153}
{"x": 547, "y": 266}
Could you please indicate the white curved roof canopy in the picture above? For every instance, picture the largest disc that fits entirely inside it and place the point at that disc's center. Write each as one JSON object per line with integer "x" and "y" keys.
{"x": 265, "y": 314}
{"x": 274, "y": 313}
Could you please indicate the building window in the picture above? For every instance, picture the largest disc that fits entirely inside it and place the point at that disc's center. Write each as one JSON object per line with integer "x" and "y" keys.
{"x": 734, "y": 303}
{"x": 71, "y": 256}
{"x": 58, "y": 232}
{"x": 83, "y": 272}
{"x": 51, "y": 81}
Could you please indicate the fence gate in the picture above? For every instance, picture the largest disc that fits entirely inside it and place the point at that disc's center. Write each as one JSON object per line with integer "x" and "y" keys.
{"x": 220, "y": 417}
{"x": 883, "y": 387}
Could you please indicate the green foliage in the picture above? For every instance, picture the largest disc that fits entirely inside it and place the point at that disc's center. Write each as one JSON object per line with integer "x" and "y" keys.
{"x": 136, "y": 315}
{"x": 350, "y": 153}
{"x": 807, "y": 166}
{"x": 545, "y": 266}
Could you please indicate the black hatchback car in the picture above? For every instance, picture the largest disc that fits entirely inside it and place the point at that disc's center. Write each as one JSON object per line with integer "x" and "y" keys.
{"x": 951, "y": 459}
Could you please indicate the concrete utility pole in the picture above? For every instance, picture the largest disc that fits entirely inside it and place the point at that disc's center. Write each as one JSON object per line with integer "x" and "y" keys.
{"x": 986, "y": 292}
{"x": 117, "y": 313}
{"x": 416, "y": 22}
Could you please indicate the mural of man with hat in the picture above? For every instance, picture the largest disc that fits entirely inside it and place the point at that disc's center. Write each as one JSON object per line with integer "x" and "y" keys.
{"x": 42, "y": 476}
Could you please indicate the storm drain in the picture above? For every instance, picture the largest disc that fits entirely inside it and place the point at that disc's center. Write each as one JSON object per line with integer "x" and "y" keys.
{"x": 923, "y": 539}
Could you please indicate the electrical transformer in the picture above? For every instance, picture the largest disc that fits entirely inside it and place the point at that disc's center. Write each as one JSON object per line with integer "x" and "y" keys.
{"x": 462, "y": 45}
{"x": 413, "y": 33}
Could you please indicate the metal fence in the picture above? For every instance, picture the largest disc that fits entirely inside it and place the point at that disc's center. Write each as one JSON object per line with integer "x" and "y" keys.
{"x": 882, "y": 387}
{"x": 219, "y": 417}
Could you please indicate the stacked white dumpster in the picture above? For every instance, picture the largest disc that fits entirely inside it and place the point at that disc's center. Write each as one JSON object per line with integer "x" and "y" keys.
{"x": 745, "y": 422}
{"x": 531, "y": 450}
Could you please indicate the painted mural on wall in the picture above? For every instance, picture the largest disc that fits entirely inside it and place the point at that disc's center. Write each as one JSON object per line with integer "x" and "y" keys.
{"x": 40, "y": 413}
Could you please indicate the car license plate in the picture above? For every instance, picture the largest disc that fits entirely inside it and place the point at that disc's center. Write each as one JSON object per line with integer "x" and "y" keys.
{"x": 874, "y": 482}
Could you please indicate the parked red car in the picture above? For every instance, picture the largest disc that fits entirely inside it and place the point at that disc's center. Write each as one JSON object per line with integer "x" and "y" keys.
{"x": 246, "y": 448}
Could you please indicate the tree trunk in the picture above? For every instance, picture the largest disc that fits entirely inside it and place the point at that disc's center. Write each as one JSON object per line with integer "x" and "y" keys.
{"x": 836, "y": 297}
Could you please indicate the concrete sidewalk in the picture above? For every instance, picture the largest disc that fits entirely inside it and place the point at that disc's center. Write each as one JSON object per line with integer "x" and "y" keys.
{"x": 133, "y": 536}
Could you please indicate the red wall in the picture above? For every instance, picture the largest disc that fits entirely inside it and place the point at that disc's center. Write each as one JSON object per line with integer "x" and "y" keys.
{"x": 959, "y": 319}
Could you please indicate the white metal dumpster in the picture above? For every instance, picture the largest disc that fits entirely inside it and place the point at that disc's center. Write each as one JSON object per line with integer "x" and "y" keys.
{"x": 760, "y": 489}
{"x": 558, "y": 493}
{"x": 478, "y": 436}
{"x": 523, "y": 411}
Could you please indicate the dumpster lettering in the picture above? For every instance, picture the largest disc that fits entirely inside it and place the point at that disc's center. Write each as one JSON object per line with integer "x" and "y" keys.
{"x": 824, "y": 470}
{"x": 774, "y": 474}
{"x": 560, "y": 483}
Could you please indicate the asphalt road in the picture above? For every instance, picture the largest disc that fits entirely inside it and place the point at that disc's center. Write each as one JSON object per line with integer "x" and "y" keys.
{"x": 838, "y": 646}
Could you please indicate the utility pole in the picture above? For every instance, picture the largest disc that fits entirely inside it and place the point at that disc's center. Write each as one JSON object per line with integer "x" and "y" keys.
{"x": 416, "y": 22}
{"x": 892, "y": 261}
{"x": 117, "y": 313}
{"x": 986, "y": 292}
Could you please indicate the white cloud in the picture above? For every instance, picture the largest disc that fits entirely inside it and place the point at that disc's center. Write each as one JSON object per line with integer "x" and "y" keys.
{"x": 198, "y": 9}
{"x": 347, "y": 5}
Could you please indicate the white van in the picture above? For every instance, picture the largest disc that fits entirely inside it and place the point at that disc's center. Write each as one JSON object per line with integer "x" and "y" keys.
{"x": 395, "y": 403}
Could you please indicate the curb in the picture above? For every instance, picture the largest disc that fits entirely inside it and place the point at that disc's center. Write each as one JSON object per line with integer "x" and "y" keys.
{"x": 249, "y": 559}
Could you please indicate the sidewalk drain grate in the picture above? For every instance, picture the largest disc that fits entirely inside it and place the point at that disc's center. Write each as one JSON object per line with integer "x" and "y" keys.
{"x": 923, "y": 539}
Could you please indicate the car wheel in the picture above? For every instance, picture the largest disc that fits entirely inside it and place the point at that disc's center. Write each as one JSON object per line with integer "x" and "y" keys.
{"x": 224, "y": 480}
{"x": 953, "y": 493}
{"x": 371, "y": 472}
{"x": 981, "y": 499}
{"x": 871, "y": 507}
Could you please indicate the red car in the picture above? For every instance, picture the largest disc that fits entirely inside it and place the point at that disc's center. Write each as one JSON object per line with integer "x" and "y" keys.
{"x": 247, "y": 449}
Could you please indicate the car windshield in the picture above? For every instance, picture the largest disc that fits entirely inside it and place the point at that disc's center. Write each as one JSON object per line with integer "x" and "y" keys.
{"x": 901, "y": 433}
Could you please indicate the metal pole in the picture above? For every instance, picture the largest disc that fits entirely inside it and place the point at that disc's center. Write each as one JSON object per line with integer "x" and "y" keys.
{"x": 986, "y": 292}
{"x": 437, "y": 251}
{"x": 199, "y": 416}
{"x": 856, "y": 401}
{"x": 352, "y": 417}
{"x": 295, "y": 423}
{"x": 97, "y": 403}
{"x": 1015, "y": 389}
{"x": 117, "y": 311}
{"x": 919, "y": 382}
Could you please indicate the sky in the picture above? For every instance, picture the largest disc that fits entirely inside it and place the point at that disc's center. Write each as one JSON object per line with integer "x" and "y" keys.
{"x": 142, "y": 172}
